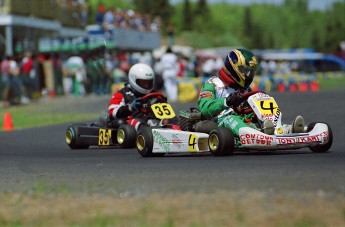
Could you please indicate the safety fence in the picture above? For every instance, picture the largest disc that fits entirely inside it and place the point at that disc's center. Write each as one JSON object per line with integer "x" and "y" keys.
{"x": 296, "y": 82}
{"x": 189, "y": 87}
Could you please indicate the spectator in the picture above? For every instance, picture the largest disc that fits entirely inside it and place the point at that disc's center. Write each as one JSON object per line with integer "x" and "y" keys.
{"x": 83, "y": 11}
{"x": 108, "y": 22}
{"x": 26, "y": 67}
{"x": 76, "y": 69}
{"x": 169, "y": 64}
{"x": 208, "y": 68}
{"x": 6, "y": 80}
{"x": 19, "y": 89}
{"x": 156, "y": 24}
{"x": 170, "y": 33}
{"x": 100, "y": 15}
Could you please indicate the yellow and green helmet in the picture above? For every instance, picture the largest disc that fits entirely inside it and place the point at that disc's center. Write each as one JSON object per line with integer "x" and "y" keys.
{"x": 240, "y": 65}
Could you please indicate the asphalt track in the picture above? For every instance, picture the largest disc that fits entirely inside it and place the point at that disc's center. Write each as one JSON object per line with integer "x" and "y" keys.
{"x": 40, "y": 156}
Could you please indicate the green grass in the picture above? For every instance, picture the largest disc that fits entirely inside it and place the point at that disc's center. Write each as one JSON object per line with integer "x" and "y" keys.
{"x": 30, "y": 118}
{"x": 329, "y": 84}
{"x": 223, "y": 208}
{"x": 42, "y": 113}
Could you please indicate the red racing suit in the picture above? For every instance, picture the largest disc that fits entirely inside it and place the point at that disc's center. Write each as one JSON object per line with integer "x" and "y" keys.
{"x": 118, "y": 107}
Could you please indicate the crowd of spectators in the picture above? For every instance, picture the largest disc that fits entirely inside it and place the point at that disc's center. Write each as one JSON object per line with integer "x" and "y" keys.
{"x": 126, "y": 18}
{"x": 27, "y": 77}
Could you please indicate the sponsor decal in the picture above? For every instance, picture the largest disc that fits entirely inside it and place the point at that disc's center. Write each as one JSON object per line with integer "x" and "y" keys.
{"x": 176, "y": 141}
{"x": 279, "y": 130}
{"x": 161, "y": 140}
{"x": 303, "y": 139}
{"x": 205, "y": 94}
{"x": 257, "y": 139}
{"x": 276, "y": 117}
{"x": 230, "y": 122}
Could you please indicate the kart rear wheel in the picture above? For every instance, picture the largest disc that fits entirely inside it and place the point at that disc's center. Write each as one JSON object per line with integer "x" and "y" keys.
{"x": 324, "y": 147}
{"x": 221, "y": 142}
{"x": 144, "y": 143}
{"x": 72, "y": 137}
{"x": 126, "y": 135}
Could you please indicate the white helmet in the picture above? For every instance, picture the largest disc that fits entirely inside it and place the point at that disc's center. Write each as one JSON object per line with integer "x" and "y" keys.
{"x": 141, "y": 78}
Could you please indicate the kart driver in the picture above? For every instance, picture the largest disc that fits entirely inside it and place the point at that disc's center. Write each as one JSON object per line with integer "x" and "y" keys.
{"x": 126, "y": 103}
{"x": 223, "y": 92}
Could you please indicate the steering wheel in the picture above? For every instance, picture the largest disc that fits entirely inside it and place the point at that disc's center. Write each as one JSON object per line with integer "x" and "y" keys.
{"x": 154, "y": 95}
{"x": 240, "y": 109}
{"x": 150, "y": 99}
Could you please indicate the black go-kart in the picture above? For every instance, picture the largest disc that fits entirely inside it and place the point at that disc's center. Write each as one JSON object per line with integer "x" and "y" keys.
{"x": 155, "y": 111}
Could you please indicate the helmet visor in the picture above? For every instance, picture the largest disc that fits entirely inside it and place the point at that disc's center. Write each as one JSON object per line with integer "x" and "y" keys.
{"x": 247, "y": 71}
{"x": 146, "y": 84}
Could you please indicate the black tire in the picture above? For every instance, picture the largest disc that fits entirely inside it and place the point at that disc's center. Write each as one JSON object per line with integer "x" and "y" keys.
{"x": 221, "y": 142}
{"x": 144, "y": 143}
{"x": 72, "y": 137}
{"x": 324, "y": 147}
{"x": 126, "y": 135}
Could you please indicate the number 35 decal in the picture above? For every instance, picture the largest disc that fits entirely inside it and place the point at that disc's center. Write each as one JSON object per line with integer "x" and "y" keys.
{"x": 104, "y": 137}
{"x": 163, "y": 111}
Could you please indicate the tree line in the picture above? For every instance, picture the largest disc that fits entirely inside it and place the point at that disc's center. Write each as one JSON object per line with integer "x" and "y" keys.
{"x": 255, "y": 26}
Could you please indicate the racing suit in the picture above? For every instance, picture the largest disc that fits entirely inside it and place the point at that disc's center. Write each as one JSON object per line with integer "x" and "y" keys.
{"x": 212, "y": 103}
{"x": 118, "y": 107}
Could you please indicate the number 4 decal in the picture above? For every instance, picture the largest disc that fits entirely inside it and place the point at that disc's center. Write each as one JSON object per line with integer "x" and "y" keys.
{"x": 192, "y": 142}
{"x": 271, "y": 108}
{"x": 268, "y": 106}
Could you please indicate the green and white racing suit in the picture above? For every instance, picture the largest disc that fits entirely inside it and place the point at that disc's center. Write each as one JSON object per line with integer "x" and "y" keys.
{"x": 212, "y": 104}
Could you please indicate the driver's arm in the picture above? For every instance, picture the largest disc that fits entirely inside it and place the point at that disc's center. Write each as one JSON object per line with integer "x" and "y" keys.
{"x": 208, "y": 104}
{"x": 117, "y": 107}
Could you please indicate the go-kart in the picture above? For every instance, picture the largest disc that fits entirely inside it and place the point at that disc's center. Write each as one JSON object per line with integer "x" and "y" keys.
{"x": 155, "y": 111}
{"x": 220, "y": 141}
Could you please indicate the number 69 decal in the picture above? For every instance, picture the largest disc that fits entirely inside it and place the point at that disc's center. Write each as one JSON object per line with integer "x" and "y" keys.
{"x": 163, "y": 111}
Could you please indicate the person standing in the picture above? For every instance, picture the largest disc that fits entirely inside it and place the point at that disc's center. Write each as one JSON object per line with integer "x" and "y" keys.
{"x": 5, "y": 79}
{"x": 170, "y": 68}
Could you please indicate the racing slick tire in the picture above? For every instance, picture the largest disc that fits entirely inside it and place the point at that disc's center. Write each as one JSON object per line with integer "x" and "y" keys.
{"x": 126, "y": 135}
{"x": 221, "y": 142}
{"x": 72, "y": 137}
{"x": 144, "y": 143}
{"x": 324, "y": 147}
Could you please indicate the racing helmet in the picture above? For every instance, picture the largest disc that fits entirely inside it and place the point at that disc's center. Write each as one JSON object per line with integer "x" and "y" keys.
{"x": 240, "y": 66}
{"x": 141, "y": 78}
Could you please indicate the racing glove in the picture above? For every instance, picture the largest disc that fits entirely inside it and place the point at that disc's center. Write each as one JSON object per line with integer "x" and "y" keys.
{"x": 135, "y": 105}
{"x": 234, "y": 99}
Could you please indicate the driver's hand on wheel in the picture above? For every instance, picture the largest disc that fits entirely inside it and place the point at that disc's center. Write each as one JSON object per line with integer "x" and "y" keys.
{"x": 234, "y": 99}
{"x": 136, "y": 104}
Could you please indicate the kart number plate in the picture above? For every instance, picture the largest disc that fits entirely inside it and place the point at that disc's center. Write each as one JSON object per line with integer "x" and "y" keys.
{"x": 104, "y": 137}
{"x": 267, "y": 106}
{"x": 163, "y": 111}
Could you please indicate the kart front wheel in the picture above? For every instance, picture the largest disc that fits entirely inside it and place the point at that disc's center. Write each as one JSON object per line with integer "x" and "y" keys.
{"x": 72, "y": 137}
{"x": 144, "y": 143}
{"x": 324, "y": 147}
{"x": 126, "y": 135}
{"x": 221, "y": 142}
